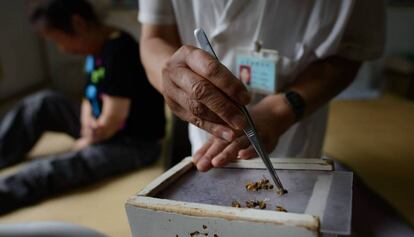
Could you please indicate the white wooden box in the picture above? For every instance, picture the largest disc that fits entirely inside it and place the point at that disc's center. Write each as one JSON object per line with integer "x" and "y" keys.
{"x": 184, "y": 202}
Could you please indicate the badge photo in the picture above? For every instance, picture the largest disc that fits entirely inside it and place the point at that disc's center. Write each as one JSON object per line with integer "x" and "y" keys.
{"x": 258, "y": 70}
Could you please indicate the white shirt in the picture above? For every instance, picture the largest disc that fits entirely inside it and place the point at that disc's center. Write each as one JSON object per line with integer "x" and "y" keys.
{"x": 301, "y": 31}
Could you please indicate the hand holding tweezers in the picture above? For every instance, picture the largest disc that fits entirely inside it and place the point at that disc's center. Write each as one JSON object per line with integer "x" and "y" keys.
{"x": 250, "y": 130}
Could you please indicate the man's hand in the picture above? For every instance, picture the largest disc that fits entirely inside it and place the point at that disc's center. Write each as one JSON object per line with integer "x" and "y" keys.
{"x": 272, "y": 117}
{"x": 81, "y": 143}
{"x": 86, "y": 119}
{"x": 203, "y": 92}
{"x": 115, "y": 111}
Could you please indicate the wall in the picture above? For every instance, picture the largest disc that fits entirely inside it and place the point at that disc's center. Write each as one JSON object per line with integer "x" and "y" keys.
{"x": 125, "y": 19}
{"x": 399, "y": 40}
{"x": 21, "y": 69}
{"x": 21, "y": 51}
{"x": 400, "y": 35}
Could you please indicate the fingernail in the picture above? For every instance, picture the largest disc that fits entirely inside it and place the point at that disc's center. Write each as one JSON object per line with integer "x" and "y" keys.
{"x": 244, "y": 98}
{"x": 238, "y": 122}
{"x": 226, "y": 136}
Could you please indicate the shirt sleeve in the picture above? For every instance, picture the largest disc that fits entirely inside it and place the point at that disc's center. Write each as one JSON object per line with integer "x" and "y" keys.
{"x": 364, "y": 35}
{"x": 157, "y": 12}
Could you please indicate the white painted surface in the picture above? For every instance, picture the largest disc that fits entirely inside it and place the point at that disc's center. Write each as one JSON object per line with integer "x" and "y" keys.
{"x": 317, "y": 203}
{"x": 243, "y": 214}
{"x": 147, "y": 223}
{"x": 284, "y": 163}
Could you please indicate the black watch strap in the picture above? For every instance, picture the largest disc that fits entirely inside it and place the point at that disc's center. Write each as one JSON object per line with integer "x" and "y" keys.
{"x": 297, "y": 103}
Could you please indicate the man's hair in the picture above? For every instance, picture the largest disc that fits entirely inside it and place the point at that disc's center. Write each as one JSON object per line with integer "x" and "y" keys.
{"x": 58, "y": 13}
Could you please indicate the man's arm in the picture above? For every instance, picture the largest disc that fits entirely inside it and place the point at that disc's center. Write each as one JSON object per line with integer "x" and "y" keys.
{"x": 86, "y": 120}
{"x": 325, "y": 79}
{"x": 317, "y": 84}
{"x": 115, "y": 111}
{"x": 157, "y": 45}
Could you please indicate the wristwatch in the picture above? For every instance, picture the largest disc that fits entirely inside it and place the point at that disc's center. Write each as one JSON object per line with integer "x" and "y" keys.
{"x": 296, "y": 103}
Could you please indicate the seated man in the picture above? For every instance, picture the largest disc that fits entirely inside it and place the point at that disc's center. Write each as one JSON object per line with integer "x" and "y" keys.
{"x": 121, "y": 119}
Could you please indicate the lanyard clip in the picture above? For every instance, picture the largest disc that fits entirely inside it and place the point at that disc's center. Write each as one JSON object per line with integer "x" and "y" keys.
{"x": 258, "y": 46}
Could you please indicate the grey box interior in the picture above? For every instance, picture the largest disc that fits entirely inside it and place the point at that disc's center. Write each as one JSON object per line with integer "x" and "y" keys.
{"x": 221, "y": 186}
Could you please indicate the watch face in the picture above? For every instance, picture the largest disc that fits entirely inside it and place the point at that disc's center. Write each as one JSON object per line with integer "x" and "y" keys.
{"x": 297, "y": 103}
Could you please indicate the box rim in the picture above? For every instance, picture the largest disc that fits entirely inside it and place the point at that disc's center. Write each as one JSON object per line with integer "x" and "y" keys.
{"x": 306, "y": 221}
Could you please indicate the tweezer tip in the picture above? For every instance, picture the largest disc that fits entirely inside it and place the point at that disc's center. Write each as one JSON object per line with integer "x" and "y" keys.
{"x": 280, "y": 192}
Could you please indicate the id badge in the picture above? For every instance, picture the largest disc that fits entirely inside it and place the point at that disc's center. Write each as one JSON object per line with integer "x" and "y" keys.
{"x": 258, "y": 70}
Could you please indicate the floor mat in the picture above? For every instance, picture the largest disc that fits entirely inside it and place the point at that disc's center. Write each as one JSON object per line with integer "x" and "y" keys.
{"x": 376, "y": 139}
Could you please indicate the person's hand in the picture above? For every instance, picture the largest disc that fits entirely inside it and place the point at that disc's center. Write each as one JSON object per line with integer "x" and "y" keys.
{"x": 96, "y": 131}
{"x": 81, "y": 143}
{"x": 88, "y": 127}
{"x": 86, "y": 118}
{"x": 91, "y": 130}
{"x": 101, "y": 132}
{"x": 272, "y": 118}
{"x": 202, "y": 91}
{"x": 86, "y": 131}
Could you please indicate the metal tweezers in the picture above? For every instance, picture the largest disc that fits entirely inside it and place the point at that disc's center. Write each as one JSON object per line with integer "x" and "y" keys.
{"x": 250, "y": 130}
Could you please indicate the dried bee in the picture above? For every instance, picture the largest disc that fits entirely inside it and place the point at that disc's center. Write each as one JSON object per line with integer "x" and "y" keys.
{"x": 261, "y": 184}
{"x": 215, "y": 235}
{"x": 262, "y": 204}
{"x": 281, "y": 192}
{"x": 195, "y": 233}
{"x": 280, "y": 208}
{"x": 264, "y": 181}
{"x": 251, "y": 186}
{"x": 204, "y": 227}
{"x": 255, "y": 203}
{"x": 250, "y": 204}
{"x": 234, "y": 204}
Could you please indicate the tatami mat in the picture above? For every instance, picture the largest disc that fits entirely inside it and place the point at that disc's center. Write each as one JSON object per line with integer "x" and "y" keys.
{"x": 376, "y": 139}
{"x": 100, "y": 207}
